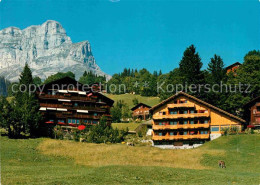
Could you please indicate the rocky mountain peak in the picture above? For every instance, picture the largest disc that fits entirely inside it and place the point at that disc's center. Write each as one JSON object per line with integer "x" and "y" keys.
{"x": 47, "y": 49}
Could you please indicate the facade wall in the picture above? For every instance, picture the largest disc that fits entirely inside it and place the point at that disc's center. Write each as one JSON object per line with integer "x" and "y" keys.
{"x": 255, "y": 114}
{"x": 72, "y": 108}
{"x": 141, "y": 112}
{"x": 184, "y": 121}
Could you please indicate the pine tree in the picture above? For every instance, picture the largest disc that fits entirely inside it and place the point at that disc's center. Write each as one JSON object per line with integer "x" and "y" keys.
{"x": 190, "y": 66}
{"x": 216, "y": 69}
{"x": 26, "y": 105}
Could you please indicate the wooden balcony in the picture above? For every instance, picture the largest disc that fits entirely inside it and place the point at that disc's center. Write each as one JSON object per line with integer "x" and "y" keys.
{"x": 184, "y": 126}
{"x": 180, "y": 137}
{"x": 184, "y": 105}
{"x": 74, "y": 116}
{"x": 93, "y": 109}
{"x": 74, "y": 98}
{"x": 176, "y": 116}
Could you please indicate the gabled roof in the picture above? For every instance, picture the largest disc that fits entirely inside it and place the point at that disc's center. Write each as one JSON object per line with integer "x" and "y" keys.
{"x": 197, "y": 100}
{"x": 232, "y": 65}
{"x": 252, "y": 101}
{"x": 140, "y": 104}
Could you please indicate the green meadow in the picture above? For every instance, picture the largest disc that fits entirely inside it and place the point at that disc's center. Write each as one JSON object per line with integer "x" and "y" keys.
{"x": 48, "y": 161}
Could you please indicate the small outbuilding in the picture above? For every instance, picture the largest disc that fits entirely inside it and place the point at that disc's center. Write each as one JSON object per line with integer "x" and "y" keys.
{"x": 141, "y": 111}
{"x": 252, "y": 113}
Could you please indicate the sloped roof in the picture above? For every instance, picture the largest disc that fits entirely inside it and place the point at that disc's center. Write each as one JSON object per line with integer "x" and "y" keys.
{"x": 197, "y": 100}
{"x": 252, "y": 101}
{"x": 139, "y": 104}
{"x": 232, "y": 65}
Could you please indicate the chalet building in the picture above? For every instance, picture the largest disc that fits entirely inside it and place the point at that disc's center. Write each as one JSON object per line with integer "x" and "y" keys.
{"x": 141, "y": 111}
{"x": 183, "y": 121}
{"x": 69, "y": 103}
{"x": 233, "y": 67}
{"x": 252, "y": 113}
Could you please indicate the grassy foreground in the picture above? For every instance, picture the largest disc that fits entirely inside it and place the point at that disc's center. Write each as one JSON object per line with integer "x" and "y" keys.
{"x": 128, "y": 99}
{"x": 46, "y": 161}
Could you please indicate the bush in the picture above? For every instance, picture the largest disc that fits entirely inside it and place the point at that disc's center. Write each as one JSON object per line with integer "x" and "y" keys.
{"x": 249, "y": 131}
{"x": 58, "y": 132}
{"x": 103, "y": 133}
{"x": 230, "y": 130}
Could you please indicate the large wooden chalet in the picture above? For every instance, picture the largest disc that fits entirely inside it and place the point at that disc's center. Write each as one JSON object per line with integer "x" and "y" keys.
{"x": 252, "y": 113}
{"x": 69, "y": 103}
{"x": 185, "y": 121}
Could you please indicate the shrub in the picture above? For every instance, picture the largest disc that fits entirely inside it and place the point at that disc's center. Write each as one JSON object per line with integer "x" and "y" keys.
{"x": 225, "y": 131}
{"x": 234, "y": 129}
{"x": 58, "y": 132}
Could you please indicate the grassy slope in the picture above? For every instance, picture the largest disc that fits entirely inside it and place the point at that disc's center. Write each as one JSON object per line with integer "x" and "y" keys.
{"x": 45, "y": 161}
{"x": 123, "y": 126}
{"x": 128, "y": 99}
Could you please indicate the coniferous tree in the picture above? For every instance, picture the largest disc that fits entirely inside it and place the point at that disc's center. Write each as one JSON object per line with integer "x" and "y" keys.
{"x": 190, "y": 66}
{"x": 216, "y": 69}
{"x": 26, "y": 105}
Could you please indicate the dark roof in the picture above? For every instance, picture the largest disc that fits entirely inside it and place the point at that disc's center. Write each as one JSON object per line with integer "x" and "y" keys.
{"x": 232, "y": 65}
{"x": 252, "y": 101}
{"x": 139, "y": 104}
{"x": 68, "y": 80}
{"x": 198, "y": 100}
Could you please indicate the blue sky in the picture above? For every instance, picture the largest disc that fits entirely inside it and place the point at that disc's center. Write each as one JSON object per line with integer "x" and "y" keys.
{"x": 150, "y": 34}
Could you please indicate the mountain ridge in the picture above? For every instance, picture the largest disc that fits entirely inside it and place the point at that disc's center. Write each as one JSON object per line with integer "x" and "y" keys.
{"x": 47, "y": 49}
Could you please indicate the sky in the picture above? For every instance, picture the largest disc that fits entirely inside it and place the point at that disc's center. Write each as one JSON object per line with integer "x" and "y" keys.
{"x": 150, "y": 34}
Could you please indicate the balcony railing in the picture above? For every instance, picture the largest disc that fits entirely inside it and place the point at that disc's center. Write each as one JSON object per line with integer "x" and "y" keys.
{"x": 184, "y": 126}
{"x": 188, "y": 105}
{"x": 180, "y": 137}
{"x": 97, "y": 109}
{"x": 75, "y": 98}
{"x": 175, "y": 116}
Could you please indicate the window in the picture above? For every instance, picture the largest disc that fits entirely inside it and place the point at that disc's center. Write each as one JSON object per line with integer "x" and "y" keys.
{"x": 94, "y": 122}
{"x": 175, "y": 102}
{"x": 185, "y": 122}
{"x": 201, "y": 132}
{"x": 206, "y": 132}
{"x": 164, "y": 113}
{"x": 75, "y": 104}
{"x": 171, "y": 133}
{"x": 258, "y": 108}
{"x": 173, "y": 112}
{"x": 185, "y": 101}
{"x": 53, "y": 93}
{"x": 77, "y": 121}
{"x": 62, "y": 121}
{"x": 185, "y": 133}
{"x": 185, "y": 112}
{"x": 214, "y": 129}
{"x": 160, "y": 123}
{"x": 175, "y": 122}
{"x": 171, "y": 123}
{"x": 192, "y": 111}
{"x": 95, "y": 114}
{"x": 191, "y": 121}
{"x": 160, "y": 134}
{"x": 206, "y": 121}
